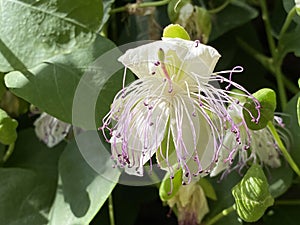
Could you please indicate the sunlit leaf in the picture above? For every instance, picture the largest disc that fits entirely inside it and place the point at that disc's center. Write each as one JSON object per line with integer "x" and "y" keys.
{"x": 33, "y": 31}
{"x": 81, "y": 190}
{"x": 51, "y": 85}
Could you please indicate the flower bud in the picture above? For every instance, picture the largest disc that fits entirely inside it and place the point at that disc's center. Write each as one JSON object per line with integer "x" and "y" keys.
{"x": 251, "y": 194}
{"x": 267, "y": 99}
{"x": 191, "y": 204}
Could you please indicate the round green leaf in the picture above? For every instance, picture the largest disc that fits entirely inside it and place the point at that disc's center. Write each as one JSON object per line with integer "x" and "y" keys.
{"x": 176, "y": 31}
{"x": 251, "y": 194}
{"x": 267, "y": 99}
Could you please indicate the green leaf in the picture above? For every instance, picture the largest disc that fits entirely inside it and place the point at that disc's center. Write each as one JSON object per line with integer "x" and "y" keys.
{"x": 106, "y": 12}
{"x": 288, "y": 5}
{"x": 290, "y": 42}
{"x": 223, "y": 21}
{"x": 81, "y": 190}
{"x": 51, "y": 86}
{"x": 28, "y": 182}
{"x": 267, "y": 99}
{"x": 207, "y": 188}
{"x": 292, "y": 125}
{"x": 252, "y": 196}
{"x": 175, "y": 31}
{"x": 8, "y": 126}
{"x": 280, "y": 179}
{"x": 33, "y": 31}
{"x": 18, "y": 205}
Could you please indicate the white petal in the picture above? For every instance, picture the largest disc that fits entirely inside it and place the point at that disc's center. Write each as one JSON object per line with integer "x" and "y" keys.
{"x": 51, "y": 130}
{"x": 222, "y": 164}
{"x": 191, "y": 57}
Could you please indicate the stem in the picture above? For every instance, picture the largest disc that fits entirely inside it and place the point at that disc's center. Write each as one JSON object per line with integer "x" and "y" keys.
{"x": 288, "y": 202}
{"x": 111, "y": 210}
{"x": 284, "y": 151}
{"x": 287, "y": 21}
{"x": 9, "y": 151}
{"x": 267, "y": 63}
{"x": 265, "y": 17}
{"x": 139, "y": 5}
{"x": 222, "y": 214}
{"x": 279, "y": 79}
{"x": 219, "y": 8}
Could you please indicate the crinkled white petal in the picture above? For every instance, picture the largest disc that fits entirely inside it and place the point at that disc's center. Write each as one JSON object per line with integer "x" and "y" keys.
{"x": 188, "y": 57}
{"x": 50, "y": 130}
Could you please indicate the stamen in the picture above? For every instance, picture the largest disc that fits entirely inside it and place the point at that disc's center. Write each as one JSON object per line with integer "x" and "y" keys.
{"x": 161, "y": 56}
{"x": 237, "y": 69}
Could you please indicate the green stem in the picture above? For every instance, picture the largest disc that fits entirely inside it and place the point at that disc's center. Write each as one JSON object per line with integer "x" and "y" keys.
{"x": 277, "y": 59}
{"x": 265, "y": 17}
{"x": 9, "y": 151}
{"x": 281, "y": 146}
{"x": 219, "y": 216}
{"x": 287, "y": 21}
{"x": 139, "y": 5}
{"x": 111, "y": 210}
{"x": 219, "y": 8}
{"x": 280, "y": 85}
{"x": 267, "y": 63}
{"x": 288, "y": 202}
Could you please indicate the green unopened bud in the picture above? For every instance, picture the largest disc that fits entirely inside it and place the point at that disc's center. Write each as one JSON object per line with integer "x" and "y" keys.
{"x": 267, "y": 99}
{"x": 199, "y": 24}
{"x": 170, "y": 185}
{"x": 175, "y": 31}
{"x": 174, "y": 7}
{"x": 251, "y": 194}
{"x": 191, "y": 204}
{"x": 8, "y": 133}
